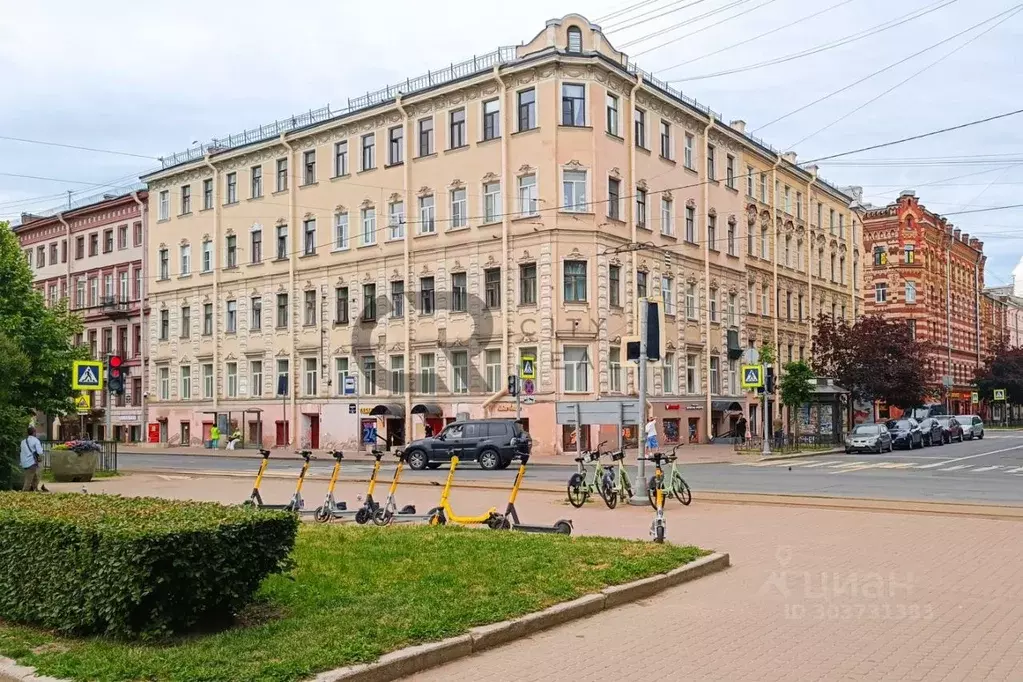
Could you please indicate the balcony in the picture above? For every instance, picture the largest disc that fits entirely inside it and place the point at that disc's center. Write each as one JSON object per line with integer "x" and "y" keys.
{"x": 115, "y": 307}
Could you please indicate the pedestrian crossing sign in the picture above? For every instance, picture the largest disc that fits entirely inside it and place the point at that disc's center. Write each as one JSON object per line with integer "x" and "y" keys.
{"x": 1000, "y": 394}
{"x": 527, "y": 370}
{"x": 87, "y": 375}
{"x": 752, "y": 376}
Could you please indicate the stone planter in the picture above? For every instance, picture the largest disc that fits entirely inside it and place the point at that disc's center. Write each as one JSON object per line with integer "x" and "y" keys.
{"x": 70, "y": 467}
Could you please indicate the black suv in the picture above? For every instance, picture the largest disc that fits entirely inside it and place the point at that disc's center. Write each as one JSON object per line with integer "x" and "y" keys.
{"x": 494, "y": 443}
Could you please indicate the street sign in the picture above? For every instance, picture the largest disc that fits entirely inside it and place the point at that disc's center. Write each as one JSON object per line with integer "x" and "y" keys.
{"x": 528, "y": 400}
{"x": 752, "y": 376}
{"x": 975, "y": 397}
{"x": 351, "y": 408}
{"x": 751, "y": 356}
{"x": 83, "y": 403}
{"x": 349, "y": 387}
{"x": 87, "y": 375}
{"x": 946, "y": 381}
{"x": 1000, "y": 394}
{"x": 527, "y": 370}
{"x": 528, "y": 387}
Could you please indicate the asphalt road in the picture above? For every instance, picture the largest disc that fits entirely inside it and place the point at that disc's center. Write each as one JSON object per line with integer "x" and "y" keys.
{"x": 982, "y": 471}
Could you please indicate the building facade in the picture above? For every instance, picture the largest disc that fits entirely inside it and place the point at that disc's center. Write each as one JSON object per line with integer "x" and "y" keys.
{"x": 389, "y": 265}
{"x": 92, "y": 257}
{"x": 924, "y": 270}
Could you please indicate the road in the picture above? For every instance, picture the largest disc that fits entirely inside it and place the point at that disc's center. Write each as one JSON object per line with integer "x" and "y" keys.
{"x": 982, "y": 471}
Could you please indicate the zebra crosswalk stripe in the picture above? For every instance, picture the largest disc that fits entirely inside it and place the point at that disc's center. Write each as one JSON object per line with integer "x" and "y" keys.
{"x": 957, "y": 467}
{"x": 1017, "y": 470}
{"x": 990, "y": 468}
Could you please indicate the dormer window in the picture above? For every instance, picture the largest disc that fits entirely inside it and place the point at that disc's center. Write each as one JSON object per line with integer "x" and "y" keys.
{"x": 575, "y": 39}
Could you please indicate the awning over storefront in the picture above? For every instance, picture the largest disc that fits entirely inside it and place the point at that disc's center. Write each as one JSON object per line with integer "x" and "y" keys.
{"x": 428, "y": 410}
{"x": 388, "y": 410}
{"x": 725, "y": 406}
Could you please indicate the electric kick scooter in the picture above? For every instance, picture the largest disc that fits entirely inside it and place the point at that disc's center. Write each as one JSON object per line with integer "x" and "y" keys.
{"x": 296, "y": 503}
{"x": 388, "y": 512}
{"x": 657, "y": 528}
{"x": 510, "y": 519}
{"x": 443, "y": 514}
{"x": 331, "y": 508}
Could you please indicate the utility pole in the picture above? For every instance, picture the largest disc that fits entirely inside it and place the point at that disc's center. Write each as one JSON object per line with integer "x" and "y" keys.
{"x": 518, "y": 392}
{"x": 108, "y": 412}
{"x": 763, "y": 409}
{"x": 639, "y": 497}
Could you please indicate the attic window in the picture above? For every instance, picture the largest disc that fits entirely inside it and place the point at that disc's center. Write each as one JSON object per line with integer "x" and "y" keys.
{"x": 575, "y": 39}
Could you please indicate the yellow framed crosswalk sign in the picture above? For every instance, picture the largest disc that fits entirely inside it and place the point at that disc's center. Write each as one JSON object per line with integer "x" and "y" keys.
{"x": 752, "y": 376}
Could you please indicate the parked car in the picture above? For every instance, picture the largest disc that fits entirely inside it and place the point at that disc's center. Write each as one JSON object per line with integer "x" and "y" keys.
{"x": 973, "y": 426}
{"x": 951, "y": 429}
{"x": 493, "y": 443}
{"x": 906, "y": 433}
{"x": 932, "y": 432}
{"x": 869, "y": 438}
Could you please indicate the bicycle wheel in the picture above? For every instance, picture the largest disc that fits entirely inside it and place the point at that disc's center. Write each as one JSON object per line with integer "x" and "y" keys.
{"x": 577, "y": 490}
{"x": 608, "y": 493}
{"x": 680, "y": 489}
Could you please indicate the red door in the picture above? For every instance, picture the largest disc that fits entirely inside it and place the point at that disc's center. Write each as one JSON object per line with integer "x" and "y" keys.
{"x": 314, "y": 432}
{"x": 282, "y": 434}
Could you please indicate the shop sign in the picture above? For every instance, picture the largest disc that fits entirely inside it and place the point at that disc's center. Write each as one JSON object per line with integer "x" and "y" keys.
{"x": 673, "y": 407}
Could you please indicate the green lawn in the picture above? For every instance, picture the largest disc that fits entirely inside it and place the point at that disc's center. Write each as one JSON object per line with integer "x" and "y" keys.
{"x": 359, "y": 592}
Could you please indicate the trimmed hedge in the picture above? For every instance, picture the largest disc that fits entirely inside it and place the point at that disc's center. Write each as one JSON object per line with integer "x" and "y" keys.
{"x": 133, "y": 567}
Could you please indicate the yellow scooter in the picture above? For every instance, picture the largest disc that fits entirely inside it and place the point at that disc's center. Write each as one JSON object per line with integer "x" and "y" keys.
{"x": 510, "y": 519}
{"x": 331, "y": 508}
{"x": 296, "y": 503}
{"x": 368, "y": 507}
{"x": 388, "y": 512}
{"x": 443, "y": 514}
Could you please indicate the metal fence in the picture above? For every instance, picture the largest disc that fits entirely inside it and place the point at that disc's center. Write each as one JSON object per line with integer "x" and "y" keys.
{"x": 787, "y": 443}
{"x": 106, "y": 460}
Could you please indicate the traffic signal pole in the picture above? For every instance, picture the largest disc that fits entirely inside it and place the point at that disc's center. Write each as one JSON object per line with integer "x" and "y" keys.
{"x": 108, "y": 412}
{"x": 639, "y": 496}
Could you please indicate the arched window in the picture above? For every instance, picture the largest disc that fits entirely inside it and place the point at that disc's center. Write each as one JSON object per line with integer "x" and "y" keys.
{"x": 575, "y": 39}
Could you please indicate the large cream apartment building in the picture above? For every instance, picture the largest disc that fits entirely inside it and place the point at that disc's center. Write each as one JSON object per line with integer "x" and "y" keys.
{"x": 425, "y": 238}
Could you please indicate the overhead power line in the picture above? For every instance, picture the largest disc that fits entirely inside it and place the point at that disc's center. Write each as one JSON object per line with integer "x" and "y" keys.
{"x": 637, "y": 21}
{"x": 742, "y": 13}
{"x": 986, "y": 210}
{"x": 625, "y": 10}
{"x": 74, "y": 146}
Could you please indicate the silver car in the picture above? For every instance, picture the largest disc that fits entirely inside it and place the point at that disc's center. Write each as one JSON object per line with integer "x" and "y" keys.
{"x": 973, "y": 426}
{"x": 869, "y": 438}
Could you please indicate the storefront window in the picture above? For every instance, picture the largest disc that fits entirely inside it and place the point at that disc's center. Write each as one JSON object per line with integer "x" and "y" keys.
{"x": 671, "y": 430}
{"x": 568, "y": 438}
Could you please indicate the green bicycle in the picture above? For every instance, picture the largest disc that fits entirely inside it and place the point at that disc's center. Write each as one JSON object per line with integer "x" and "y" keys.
{"x": 672, "y": 483}
{"x": 615, "y": 484}
{"x": 582, "y": 484}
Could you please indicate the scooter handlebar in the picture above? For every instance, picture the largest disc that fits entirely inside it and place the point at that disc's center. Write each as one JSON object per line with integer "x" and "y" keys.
{"x": 337, "y": 454}
{"x": 264, "y": 453}
{"x": 306, "y": 454}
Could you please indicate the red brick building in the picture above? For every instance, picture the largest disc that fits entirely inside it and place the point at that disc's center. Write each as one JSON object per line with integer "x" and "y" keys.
{"x": 92, "y": 255}
{"x": 922, "y": 269}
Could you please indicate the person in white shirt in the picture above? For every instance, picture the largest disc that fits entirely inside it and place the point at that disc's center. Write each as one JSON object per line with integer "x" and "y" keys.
{"x": 31, "y": 456}
{"x": 651, "y": 434}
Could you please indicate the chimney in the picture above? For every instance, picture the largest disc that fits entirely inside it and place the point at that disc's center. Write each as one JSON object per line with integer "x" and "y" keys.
{"x": 907, "y": 193}
{"x": 813, "y": 168}
{"x": 974, "y": 242}
{"x": 966, "y": 238}
{"x": 956, "y": 234}
{"x": 738, "y": 125}
{"x": 980, "y": 245}
{"x": 790, "y": 157}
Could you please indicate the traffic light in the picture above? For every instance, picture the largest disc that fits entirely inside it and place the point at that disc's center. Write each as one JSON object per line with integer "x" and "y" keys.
{"x": 769, "y": 380}
{"x": 115, "y": 374}
{"x": 513, "y": 385}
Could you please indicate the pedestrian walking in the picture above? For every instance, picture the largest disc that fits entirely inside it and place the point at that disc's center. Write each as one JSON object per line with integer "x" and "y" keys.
{"x": 740, "y": 428}
{"x": 651, "y": 434}
{"x": 429, "y": 431}
{"x": 31, "y": 456}
{"x": 215, "y": 437}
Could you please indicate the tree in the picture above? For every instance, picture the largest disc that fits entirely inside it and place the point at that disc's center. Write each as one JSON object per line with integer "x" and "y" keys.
{"x": 36, "y": 353}
{"x": 873, "y": 359}
{"x": 796, "y": 389}
{"x": 1003, "y": 369}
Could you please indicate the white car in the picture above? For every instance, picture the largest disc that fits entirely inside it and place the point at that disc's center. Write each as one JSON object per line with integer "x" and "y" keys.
{"x": 973, "y": 426}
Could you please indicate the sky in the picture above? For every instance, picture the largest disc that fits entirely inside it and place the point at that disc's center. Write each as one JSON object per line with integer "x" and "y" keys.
{"x": 150, "y": 79}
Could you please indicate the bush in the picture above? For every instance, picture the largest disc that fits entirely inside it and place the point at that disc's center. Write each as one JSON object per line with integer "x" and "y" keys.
{"x": 133, "y": 567}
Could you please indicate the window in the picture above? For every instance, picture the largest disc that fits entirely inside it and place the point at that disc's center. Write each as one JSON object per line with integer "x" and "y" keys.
{"x": 108, "y": 287}
{"x": 788, "y": 251}
{"x": 207, "y": 255}
{"x": 396, "y": 145}
{"x": 764, "y": 242}
{"x": 427, "y": 216}
{"x": 841, "y": 269}
{"x": 731, "y": 239}
{"x": 733, "y": 318}
{"x": 749, "y": 181}
{"x": 185, "y": 259}
{"x": 311, "y": 375}
{"x": 639, "y": 127}
{"x": 427, "y": 373}
{"x": 256, "y": 246}
{"x": 841, "y": 226}
{"x": 231, "y": 321}
{"x": 614, "y": 285}
{"x": 425, "y": 136}
{"x": 715, "y": 376}
{"x": 232, "y": 379}
{"x": 164, "y": 264}
{"x": 763, "y": 187}
{"x": 692, "y": 374}
{"x": 910, "y": 292}
{"x": 665, "y": 139}
{"x": 711, "y": 170}
{"x": 283, "y": 376}
{"x": 369, "y": 302}
{"x": 668, "y": 295}
{"x": 575, "y": 39}
{"x": 820, "y": 263}
{"x": 340, "y": 231}
{"x": 282, "y": 311}
{"x": 186, "y": 382}
{"x": 730, "y": 171}
{"x": 713, "y": 302}
{"x": 911, "y": 325}
{"x": 93, "y": 292}
{"x": 491, "y": 202}
{"x": 908, "y": 254}
{"x": 788, "y": 199}
{"x": 369, "y": 226}
{"x": 256, "y": 180}
{"x": 881, "y": 256}
{"x": 256, "y": 313}
{"x": 575, "y": 281}
{"x": 614, "y": 190}
{"x": 801, "y": 311}
{"x": 492, "y": 286}
{"x": 527, "y": 109}
{"x": 751, "y": 237}
{"x": 577, "y": 369}
{"x": 163, "y": 207}
{"x": 427, "y": 298}
{"x": 831, "y": 220}
{"x": 456, "y": 129}
{"x": 79, "y": 248}
{"x": 573, "y": 104}
{"x": 615, "y": 369}
{"x": 341, "y": 158}
{"x": 397, "y": 375}
{"x": 309, "y": 307}
{"x": 398, "y": 299}
{"x": 164, "y": 326}
{"x": 207, "y": 319}
{"x": 232, "y": 251}
{"x": 459, "y": 371}
{"x": 232, "y": 188}
{"x": 282, "y": 175}
{"x": 668, "y": 374}
{"x": 491, "y": 119}
{"x": 574, "y": 190}
{"x": 612, "y": 114}
{"x": 80, "y": 293}
{"x": 282, "y": 242}
{"x": 667, "y": 224}
{"x": 799, "y": 255}
{"x": 186, "y": 321}
{"x": 207, "y": 194}
{"x": 527, "y": 195}
{"x": 834, "y": 271}
{"x": 369, "y": 159}
{"x": 880, "y": 293}
{"x": 799, "y": 205}
{"x": 341, "y": 372}
{"x": 640, "y": 284}
{"x": 527, "y": 284}
{"x": 396, "y": 220}
{"x": 341, "y": 305}
{"x": 492, "y": 360}
{"x": 458, "y": 208}
{"x": 690, "y": 224}
{"x": 687, "y": 151}
{"x": 640, "y": 207}
{"x": 164, "y": 379}
{"x": 712, "y": 232}
{"x": 691, "y": 302}
{"x": 788, "y": 305}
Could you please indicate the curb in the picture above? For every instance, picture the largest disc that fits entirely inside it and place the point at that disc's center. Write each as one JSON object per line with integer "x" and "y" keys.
{"x": 416, "y": 659}
{"x": 801, "y": 455}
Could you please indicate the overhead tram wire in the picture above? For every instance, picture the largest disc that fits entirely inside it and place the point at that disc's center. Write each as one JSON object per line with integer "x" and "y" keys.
{"x": 625, "y": 10}
{"x": 73, "y": 146}
{"x": 638, "y": 21}
{"x": 741, "y": 14}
